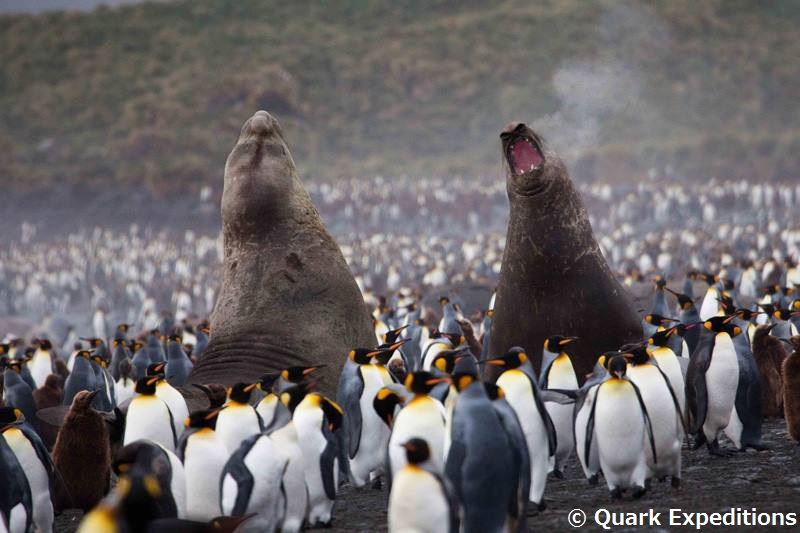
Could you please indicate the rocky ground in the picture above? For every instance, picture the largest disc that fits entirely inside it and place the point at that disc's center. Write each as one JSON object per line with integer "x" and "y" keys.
{"x": 768, "y": 481}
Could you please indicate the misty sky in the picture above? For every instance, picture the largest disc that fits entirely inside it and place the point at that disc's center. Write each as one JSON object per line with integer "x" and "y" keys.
{"x": 37, "y": 6}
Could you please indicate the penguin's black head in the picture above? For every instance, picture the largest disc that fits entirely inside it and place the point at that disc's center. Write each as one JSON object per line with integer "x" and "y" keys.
{"x": 156, "y": 369}
{"x": 444, "y": 300}
{"x": 445, "y": 361}
{"x": 769, "y": 309}
{"x": 147, "y": 385}
{"x": 175, "y": 338}
{"x": 29, "y": 352}
{"x": 710, "y": 279}
{"x": 362, "y": 356}
{"x": 726, "y": 303}
{"x": 393, "y": 335}
{"x": 123, "y": 327}
{"x": 116, "y": 343}
{"x": 659, "y": 282}
{"x": 493, "y": 391}
{"x": 556, "y": 343}
{"x": 636, "y": 354}
{"x": 100, "y": 360}
{"x": 783, "y": 314}
{"x": 684, "y": 300}
{"x": 206, "y": 418}
{"x": 661, "y": 338}
{"x": 722, "y": 324}
{"x": 10, "y": 416}
{"x": 94, "y": 342}
{"x": 385, "y": 404}
{"x": 658, "y": 320}
{"x": 514, "y": 358}
{"x": 417, "y": 451}
{"x": 386, "y": 351}
{"x": 241, "y": 392}
{"x": 267, "y": 381}
{"x": 139, "y": 492}
{"x": 86, "y": 354}
{"x": 617, "y": 366}
{"x": 296, "y": 374}
{"x": 45, "y": 345}
{"x": 292, "y": 396}
{"x": 421, "y": 382}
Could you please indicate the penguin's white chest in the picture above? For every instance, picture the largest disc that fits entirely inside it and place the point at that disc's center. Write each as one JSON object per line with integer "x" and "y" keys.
{"x": 710, "y": 305}
{"x": 620, "y": 430}
{"x": 423, "y": 417}
{"x": 722, "y": 380}
{"x": 204, "y": 458}
{"x": 417, "y": 502}
{"x": 235, "y": 423}
{"x": 40, "y": 366}
{"x": 266, "y": 408}
{"x": 374, "y": 433}
{"x": 149, "y": 418}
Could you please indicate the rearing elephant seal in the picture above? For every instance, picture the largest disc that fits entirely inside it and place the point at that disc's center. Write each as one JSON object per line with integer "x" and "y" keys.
{"x": 554, "y": 279}
{"x": 288, "y": 297}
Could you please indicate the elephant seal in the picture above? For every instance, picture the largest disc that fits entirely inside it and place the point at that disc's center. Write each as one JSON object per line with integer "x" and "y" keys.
{"x": 288, "y": 297}
{"x": 554, "y": 279}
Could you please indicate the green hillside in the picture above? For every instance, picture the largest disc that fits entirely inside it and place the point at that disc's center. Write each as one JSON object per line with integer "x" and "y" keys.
{"x": 155, "y": 93}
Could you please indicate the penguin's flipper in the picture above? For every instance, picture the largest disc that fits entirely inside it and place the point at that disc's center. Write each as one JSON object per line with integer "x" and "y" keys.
{"x": 452, "y": 469}
{"x": 452, "y": 502}
{"x": 41, "y": 451}
{"x": 748, "y": 401}
{"x": 239, "y": 472}
{"x": 327, "y": 464}
{"x": 544, "y": 372}
{"x": 559, "y": 396}
{"x": 696, "y": 391}
{"x": 587, "y": 445}
{"x": 647, "y": 421}
{"x": 351, "y": 394}
{"x": 552, "y": 440}
{"x": 674, "y": 399}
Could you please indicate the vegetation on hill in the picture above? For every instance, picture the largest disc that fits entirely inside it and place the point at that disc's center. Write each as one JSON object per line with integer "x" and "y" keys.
{"x": 155, "y": 94}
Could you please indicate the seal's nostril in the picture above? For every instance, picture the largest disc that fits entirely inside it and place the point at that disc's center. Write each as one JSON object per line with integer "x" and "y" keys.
{"x": 262, "y": 123}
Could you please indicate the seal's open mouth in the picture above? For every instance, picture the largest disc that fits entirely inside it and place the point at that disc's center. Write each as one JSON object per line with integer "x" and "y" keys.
{"x": 524, "y": 156}
{"x": 522, "y": 149}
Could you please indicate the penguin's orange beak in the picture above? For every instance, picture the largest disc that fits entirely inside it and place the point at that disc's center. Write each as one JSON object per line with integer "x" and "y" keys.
{"x": 250, "y": 387}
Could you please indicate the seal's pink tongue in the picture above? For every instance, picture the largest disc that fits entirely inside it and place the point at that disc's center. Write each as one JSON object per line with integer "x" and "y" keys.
{"x": 525, "y": 156}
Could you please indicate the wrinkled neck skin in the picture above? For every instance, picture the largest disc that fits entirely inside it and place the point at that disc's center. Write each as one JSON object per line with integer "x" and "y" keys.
{"x": 548, "y": 222}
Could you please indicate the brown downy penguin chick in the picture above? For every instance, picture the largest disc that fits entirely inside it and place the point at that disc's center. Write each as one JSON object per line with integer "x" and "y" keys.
{"x": 61, "y": 368}
{"x": 791, "y": 390}
{"x": 766, "y": 351}
{"x": 216, "y": 393}
{"x": 82, "y": 456}
{"x": 50, "y": 394}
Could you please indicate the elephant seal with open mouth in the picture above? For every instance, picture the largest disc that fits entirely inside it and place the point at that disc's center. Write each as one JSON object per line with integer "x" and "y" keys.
{"x": 288, "y": 297}
{"x": 554, "y": 279}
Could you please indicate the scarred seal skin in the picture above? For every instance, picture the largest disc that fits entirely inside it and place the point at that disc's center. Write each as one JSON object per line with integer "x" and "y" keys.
{"x": 554, "y": 279}
{"x": 288, "y": 297}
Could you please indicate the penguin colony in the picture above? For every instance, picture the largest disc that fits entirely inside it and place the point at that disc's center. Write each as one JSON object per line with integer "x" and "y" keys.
{"x": 412, "y": 416}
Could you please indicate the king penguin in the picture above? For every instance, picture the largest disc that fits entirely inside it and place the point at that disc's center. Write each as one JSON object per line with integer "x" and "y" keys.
{"x": 32, "y": 455}
{"x": 668, "y": 362}
{"x": 664, "y": 411}
{"x": 557, "y": 373}
{"x": 421, "y": 498}
{"x": 17, "y": 393}
{"x": 317, "y": 421}
{"x": 723, "y": 392}
{"x": 204, "y": 455}
{"x": 170, "y": 396}
{"x": 518, "y": 381}
{"x": 41, "y": 364}
{"x": 149, "y": 417}
{"x": 480, "y": 462}
{"x": 688, "y": 316}
{"x": 178, "y": 363}
{"x": 239, "y": 419}
{"x": 422, "y": 417}
{"x": 584, "y": 404}
{"x": 367, "y": 435}
{"x": 619, "y": 427}
{"x": 16, "y": 507}
{"x": 252, "y": 480}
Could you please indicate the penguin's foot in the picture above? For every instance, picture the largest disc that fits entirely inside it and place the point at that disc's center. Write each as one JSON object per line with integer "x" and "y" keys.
{"x": 676, "y": 482}
{"x": 377, "y": 484}
{"x": 715, "y": 450}
{"x": 662, "y": 479}
{"x": 593, "y": 480}
{"x": 638, "y": 492}
{"x": 759, "y": 447}
{"x": 535, "y": 508}
{"x": 616, "y": 494}
{"x": 698, "y": 441}
{"x": 557, "y": 474}
{"x": 648, "y": 483}
{"x": 542, "y": 505}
